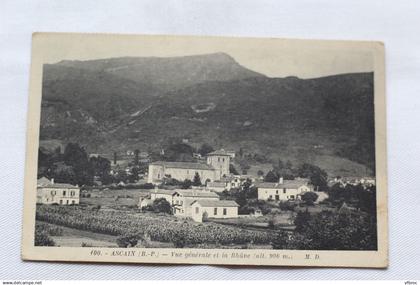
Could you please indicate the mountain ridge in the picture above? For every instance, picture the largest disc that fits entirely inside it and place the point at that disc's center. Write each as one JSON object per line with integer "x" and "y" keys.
{"x": 320, "y": 119}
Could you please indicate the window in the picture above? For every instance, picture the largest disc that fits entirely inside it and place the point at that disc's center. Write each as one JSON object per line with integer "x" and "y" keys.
{"x": 224, "y": 211}
{"x": 223, "y": 160}
{"x": 158, "y": 176}
{"x": 67, "y": 202}
{"x": 181, "y": 202}
{"x": 64, "y": 192}
{"x": 73, "y": 202}
{"x": 197, "y": 210}
{"x": 215, "y": 211}
{"x": 270, "y": 197}
{"x": 277, "y": 191}
{"x": 61, "y": 202}
{"x": 284, "y": 191}
{"x": 218, "y": 159}
{"x": 72, "y": 193}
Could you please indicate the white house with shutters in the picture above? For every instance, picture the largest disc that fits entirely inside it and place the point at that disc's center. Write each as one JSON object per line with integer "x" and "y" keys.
{"x": 283, "y": 190}
{"x": 216, "y": 209}
{"x": 49, "y": 192}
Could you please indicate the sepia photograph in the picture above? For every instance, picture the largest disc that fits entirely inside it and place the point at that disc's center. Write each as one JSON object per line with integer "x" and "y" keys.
{"x": 177, "y": 149}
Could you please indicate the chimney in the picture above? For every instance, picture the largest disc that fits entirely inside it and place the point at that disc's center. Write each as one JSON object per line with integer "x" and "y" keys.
{"x": 281, "y": 180}
{"x": 52, "y": 180}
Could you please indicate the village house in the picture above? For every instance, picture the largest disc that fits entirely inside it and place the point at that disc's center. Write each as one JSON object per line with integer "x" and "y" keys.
{"x": 182, "y": 200}
{"x": 49, "y": 192}
{"x": 217, "y": 209}
{"x": 283, "y": 190}
{"x": 217, "y": 166}
{"x": 218, "y": 186}
{"x": 343, "y": 181}
{"x": 162, "y": 193}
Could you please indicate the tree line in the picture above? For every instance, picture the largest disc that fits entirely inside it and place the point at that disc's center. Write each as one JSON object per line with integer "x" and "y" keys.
{"x": 73, "y": 166}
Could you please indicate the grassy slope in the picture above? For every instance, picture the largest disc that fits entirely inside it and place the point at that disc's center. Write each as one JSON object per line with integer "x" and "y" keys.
{"x": 327, "y": 121}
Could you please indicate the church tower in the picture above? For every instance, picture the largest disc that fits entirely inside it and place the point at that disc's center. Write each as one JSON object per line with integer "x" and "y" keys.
{"x": 219, "y": 160}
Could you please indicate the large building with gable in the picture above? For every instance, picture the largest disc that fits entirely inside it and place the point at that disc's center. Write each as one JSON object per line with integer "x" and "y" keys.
{"x": 283, "y": 190}
{"x": 49, "y": 192}
{"x": 215, "y": 168}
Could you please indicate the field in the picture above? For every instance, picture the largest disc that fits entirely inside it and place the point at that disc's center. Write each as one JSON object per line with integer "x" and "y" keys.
{"x": 114, "y": 198}
{"x": 97, "y": 227}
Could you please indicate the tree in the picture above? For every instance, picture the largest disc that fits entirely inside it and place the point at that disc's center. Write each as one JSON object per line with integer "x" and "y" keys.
{"x": 134, "y": 175}
{"x": 121, "y": 176}
{"x": 205, "y": 149}
{"x": 334, "y": 231}
{"x": 101, "y": 168}
{"x": 280, "y": 240}
{"x": 186, "y": 184}
{"x": 280, "y": 164}
{"x": 136, "y": 157}
{"x": 301, "y": 220}
{"x": 64, "y": 173}
{"x": 233, "y": 170}
{"x": 179, "y": 152}
{"x": 309, "y": 198}
{"x": 128, "y": 240}
{"x": 76, "y": 157}
{"x": 271, "y": 176}
{"x": 244, "y": 167}
{"x": 241, "y": 152}
{"x": 196, "y": 180}
{"x": 161, "y": 205}
{"x": 42, "y": 237}
{"x": 317, "y": 176}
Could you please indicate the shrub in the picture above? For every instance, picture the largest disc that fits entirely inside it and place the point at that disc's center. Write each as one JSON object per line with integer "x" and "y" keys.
{"x": 287, "y": 206}
{"x": 41, "y": 237}
{"x": 280, "y": 240}
{"x": 205, "y": 217}
{"x": 128, "y": 240}
{"x": 161, "y": 205}
{"x": 309, "y": 198}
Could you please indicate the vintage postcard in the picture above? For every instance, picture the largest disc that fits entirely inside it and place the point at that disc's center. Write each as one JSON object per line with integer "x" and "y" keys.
{"x": 206, "y": 150}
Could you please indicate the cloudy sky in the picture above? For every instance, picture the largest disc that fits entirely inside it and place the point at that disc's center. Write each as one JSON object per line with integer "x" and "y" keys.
{"x": 272, "y": 57}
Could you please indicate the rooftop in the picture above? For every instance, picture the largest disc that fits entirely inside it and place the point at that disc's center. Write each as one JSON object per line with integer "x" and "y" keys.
{"x": 288, "y": 184}
{"x": 216, "y": 203}
{"x": 46, "y": 183}
{"x": 183, "y": 165}
{"x": 216, "y": 184}
{"x": 197, "y": 193}
{"x": 219, "y": 152}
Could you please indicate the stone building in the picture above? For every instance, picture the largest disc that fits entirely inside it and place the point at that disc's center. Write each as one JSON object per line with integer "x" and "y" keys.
{"x": 216, "y": 167}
